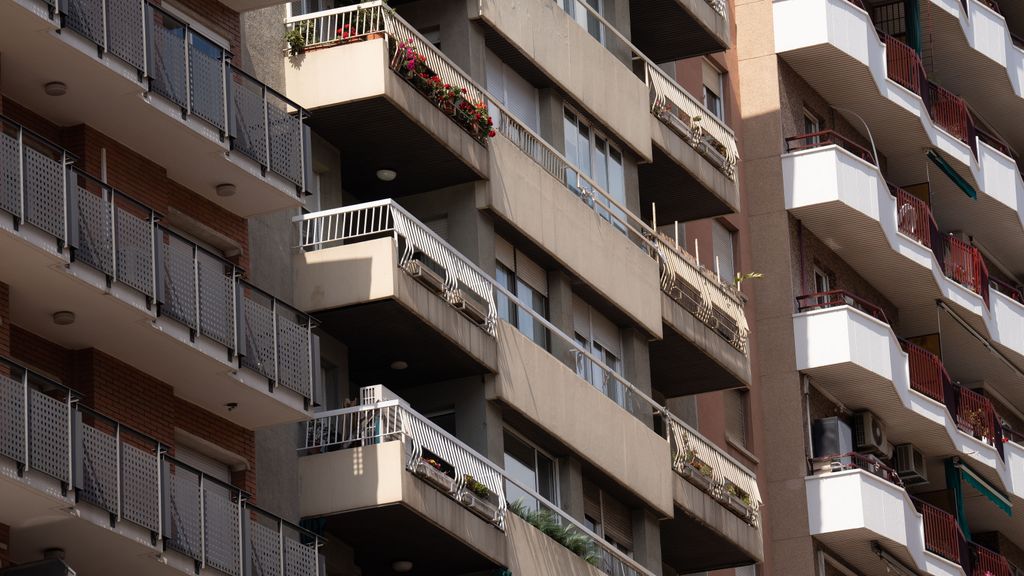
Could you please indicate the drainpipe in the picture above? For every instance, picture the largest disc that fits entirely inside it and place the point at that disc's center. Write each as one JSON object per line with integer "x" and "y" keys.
{"x": 800, "y": 247}
{"x": 874, "y": 152}
{"x": 805, "y": 384}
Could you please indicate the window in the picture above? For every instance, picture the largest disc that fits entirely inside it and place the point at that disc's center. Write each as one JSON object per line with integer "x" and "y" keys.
{"x": 607, "y": 517}
{"x": 713, "y": 89}
{"x": 578, "y": 12}
{"x": 596, "y": 334}
{"x": 300, "y": 7}
{"x": 532, "y": 468}
{"x": 513, "y": 91}
{"x": 445, "y": 419}
{"x": 736, "y": 407}
{"x": 821, "y": 281}
{"x": 811, "y": 126}
{"x": 529, "y": 283}
{"x": 599, "y": 160}
{"x": 724, "y": 251}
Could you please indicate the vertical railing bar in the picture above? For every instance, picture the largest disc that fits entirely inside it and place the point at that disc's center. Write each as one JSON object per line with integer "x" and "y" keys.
{"x": 273, "y": 313}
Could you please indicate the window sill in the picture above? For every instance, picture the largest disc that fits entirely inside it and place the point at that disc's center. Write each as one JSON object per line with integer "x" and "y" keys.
{"x": 747, "y": 454}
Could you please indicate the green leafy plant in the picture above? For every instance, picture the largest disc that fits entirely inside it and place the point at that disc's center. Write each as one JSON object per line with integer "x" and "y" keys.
{"x": 734, "y": 490}
{"x": 741, "y": 276}
{"x": 568, "y": 536}
{"x": 476, "y": 487}
{"x": 295, "y": 37}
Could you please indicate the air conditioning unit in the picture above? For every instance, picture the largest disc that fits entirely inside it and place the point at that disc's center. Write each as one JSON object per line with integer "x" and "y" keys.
{"x": 374, "y": 394}
{"x": 910, "y": 465}
{"x": 868, "y": 433}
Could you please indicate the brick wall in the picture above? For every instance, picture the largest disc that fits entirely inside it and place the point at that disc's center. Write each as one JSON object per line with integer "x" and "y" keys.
{"x": 133, "y": 398}
{"x": 136, "y": 176}
{"x": 842, "y": 277}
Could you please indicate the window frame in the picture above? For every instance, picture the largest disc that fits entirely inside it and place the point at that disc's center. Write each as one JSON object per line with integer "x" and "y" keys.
{"x": 537, "y": 450}
{"x": 611, "y": 149}
{"x": 718, "y": 91}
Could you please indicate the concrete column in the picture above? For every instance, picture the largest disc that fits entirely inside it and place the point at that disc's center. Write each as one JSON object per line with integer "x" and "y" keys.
{"x": 637, "y": 367}
{"x": 560, "y": 314}
{"x": 570, "y": 486}
{"x": 552, "y": 123}
{"x": 647, "y": 540}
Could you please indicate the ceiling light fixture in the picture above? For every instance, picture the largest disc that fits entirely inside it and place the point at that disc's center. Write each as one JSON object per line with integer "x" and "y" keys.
{"x": 386, "y": 175}
{"x": 226, "y": 190}
{"x": 64, "y": 318}
{"x": 55, "y": 88}
{"x": 399, "y": 365}
{"x": 401, "y": 566}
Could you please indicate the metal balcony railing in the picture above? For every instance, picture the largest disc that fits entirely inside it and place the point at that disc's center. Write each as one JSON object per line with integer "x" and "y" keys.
{"x": 834, "y": 298}
{"x": 121, "y": 238}
{"x": 828, "y": 138}
{"x": 195, "y": 73}
{"x": 718, "y": 474}
{"x": 452, "y": 467}
{"x": 942, "y": 534}
{"x": 855, "y": 461}
{"x": 716, "y": 304}
{"x": 134, "y": 479}
{"x": 420, "y": 245}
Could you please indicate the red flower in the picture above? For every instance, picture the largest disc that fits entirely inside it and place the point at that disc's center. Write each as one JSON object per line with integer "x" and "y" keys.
{"x": 491, "y": 134}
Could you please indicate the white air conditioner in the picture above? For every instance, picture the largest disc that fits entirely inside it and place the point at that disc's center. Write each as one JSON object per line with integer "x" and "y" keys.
{"x": 910, "y": 465}
{"x": 868, "y": 433}
{"x": 374, "y": 394}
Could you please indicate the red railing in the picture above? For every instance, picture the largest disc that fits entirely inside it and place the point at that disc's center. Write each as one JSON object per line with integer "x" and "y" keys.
{"x": 989, "y": 563}
{"x": 1006, "y": 288}
{"x": 828, "y": 138}
{"x": 927, "y": 374}
{"x": 942, "y": 535}
{"x": 914, "y": 216}
{"x": 976, "y": 416}
{"x": 992, "y": 141}
{"x": 835, "y": 298}
{"x": 965, "y": 266}
{"x": 854, "y": 461}
{"x": 950, "y": 112}
{"x": 904, "y": 65}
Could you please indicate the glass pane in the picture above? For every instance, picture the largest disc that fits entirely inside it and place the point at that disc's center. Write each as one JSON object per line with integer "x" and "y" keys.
{"x": 519, "y": 464}
{"x": 546, "y": 478}
{"x": 617, "y": 185}
{"x": 571, "y": 147}
{"x": 504, "y": 277}
{"x": 582, "y": 362}
{"x": 525, "y": 321}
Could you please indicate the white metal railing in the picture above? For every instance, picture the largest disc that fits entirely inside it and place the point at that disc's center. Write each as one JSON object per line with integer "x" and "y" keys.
{"x": 698, "y": 459}
{"x": 330, "y": 27}
{"x": 332, "y": 227}
{"x": 711, "y": 302}
{"x": 394, "y": 420}
{"x": 672, "y": 104}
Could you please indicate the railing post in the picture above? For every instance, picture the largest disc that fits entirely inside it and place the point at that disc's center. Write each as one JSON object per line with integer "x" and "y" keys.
{"x": 195, "y": 277}
{"x": 188, "y": 69}
{"x": 21, "y": 177}
{"x": 113, "y": 235}
{"x": 280, "y": 545}
{"x": 118, "y": 468}
{"x": 26, "y": 416}
{"x": 70, "y": 441}
{"x": 273, "y": 314}
{"x": 202, "y": 519}
{"x": 266, "y": 126}
{"x": 156, "y": 258}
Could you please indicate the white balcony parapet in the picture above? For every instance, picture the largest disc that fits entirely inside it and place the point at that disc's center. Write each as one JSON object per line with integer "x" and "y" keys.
{"x": 447, "y": 463}
{"x": 319, "y": 230}
{"x": 129, "y": 476}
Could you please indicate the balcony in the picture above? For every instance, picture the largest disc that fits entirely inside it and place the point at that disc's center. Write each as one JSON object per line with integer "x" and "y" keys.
{"x": 706, "y": 335}
{"x": 892, "y": 242}
{"x": 142, "y": 293}
{"x": 670, "y": 30}
{"x": 717, "y": 506}
{"x": 375, "y": 264}
{"x": 381, "y": 464}
{"x": 906, "y": 114}
{"x": 135, "y": 71}
{"x": 75, "y": 479}
{"x": 385, "y": 100}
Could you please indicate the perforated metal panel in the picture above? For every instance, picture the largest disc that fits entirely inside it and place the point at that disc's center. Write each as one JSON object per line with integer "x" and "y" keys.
{"x": 48, "y": 440}
{"x": 134, "y": 251}
{"x": 206, "y": 80}
{"x": 12, "y": 419}
{"x": 216, "y": 300}
{"x": 94, "y": 233}
{"x": 10, "y": 175}
{"x": 222, "y": 538}
{"x": 250, "y": 125}
{"x": 259, "y": 338}
{"x": 285, "y": 141}
{"x": 140, "y": 487}
{"x": 125, "y": 22}
{"x": 265, "y": 549}
{"x": 44, "y": 192}
{"x": 99, "y": 468}
{"x": 179, "y": 281}
{"x": 184, "y": 531}
{"x": 167, "y": 64}
{"x": 86, "y": 18}
{"x": 293, "y": 356}
{"x": 299, "y": 560}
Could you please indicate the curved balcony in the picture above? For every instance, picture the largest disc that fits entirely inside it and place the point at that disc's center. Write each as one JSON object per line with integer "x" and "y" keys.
{"x": 74, "y": 478}
{"x": 135, "y": 70}
{"x": 891, "y": 241}
{"x": 906, "y": 114}
{"x": 143, "y": 293}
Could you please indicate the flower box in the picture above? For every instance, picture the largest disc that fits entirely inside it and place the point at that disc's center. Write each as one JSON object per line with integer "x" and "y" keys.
{"x": 425, "y": 276}
{"x": 701, "y": 481}
{"x": 431, "y": 474}
{"x": 480, "y": 506}
{"x": 737, "y": 506}
{"x": 470, "y": 307}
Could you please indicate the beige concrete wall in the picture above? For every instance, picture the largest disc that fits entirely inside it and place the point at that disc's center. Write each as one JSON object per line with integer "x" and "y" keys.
{"x": 540, "y": 207}
{"x": 703, "y": 171}
{"x": 532, "y": 552}
{"x": 680, "y": 320}
{"x": 541, "y": 388}
{"x": 717, "y": 518}
{"x": 578, "y": 64}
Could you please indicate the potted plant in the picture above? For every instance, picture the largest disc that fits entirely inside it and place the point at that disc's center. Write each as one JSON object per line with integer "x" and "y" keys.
{"x": 568, "y": 536}
{"x": 477, "y": 497}
{"x": 697, "y": 471}
{"x": 738, "y": 500}
{"x": 432, "y": 470}
{"x": 977, "y": 424}
{"x": 295, "y": 37}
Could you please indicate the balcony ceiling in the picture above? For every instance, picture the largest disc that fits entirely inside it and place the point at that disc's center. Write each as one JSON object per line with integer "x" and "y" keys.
{"x": 380, "y": 333}
{"x": 667, "y": 30}
{"x": 373, "y": 134}
{"x": 674, "y": 355}
{"x": 385, "y": 534}
{"x": 677, "y": 193}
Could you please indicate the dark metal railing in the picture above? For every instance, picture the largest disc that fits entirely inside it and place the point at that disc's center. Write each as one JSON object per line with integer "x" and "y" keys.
{"x": 835, "y": 298}
{"x": 121, "y": 238}
{"x": 828, "y": 138}
{"x": 857, "y": 461}
{"x": 195, "y": 73}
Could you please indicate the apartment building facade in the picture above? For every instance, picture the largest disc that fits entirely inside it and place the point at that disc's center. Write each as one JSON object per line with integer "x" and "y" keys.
{"x": 429, "y": 287}
{"x": 888, "y": 210}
